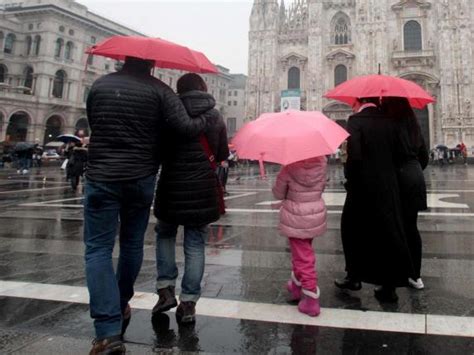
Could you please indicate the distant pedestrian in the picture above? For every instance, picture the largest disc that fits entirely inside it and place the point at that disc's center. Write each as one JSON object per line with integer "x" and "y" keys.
{"x": 343, "y": 156}
{"x": 302, "y": 218}
{"x": 127, "y": 112}
{"x": 441, "y": 156}
{"x": 189, "y": 195}
{"x": 463, "y": 149}
{"x": 411, "y": 159}
{"x": 223, "y": 174}
{"x": 77, "y": 164}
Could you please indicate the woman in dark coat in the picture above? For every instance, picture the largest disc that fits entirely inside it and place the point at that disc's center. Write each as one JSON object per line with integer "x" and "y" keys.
{"x": 372, "y": 230}
{"x": 412, "y": 158}
{"x": 76, "y": 164}
{"x": 187, "y": 195}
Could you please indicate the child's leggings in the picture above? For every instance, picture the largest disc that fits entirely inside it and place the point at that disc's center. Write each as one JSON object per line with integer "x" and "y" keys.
{"x": 303, "y": 260}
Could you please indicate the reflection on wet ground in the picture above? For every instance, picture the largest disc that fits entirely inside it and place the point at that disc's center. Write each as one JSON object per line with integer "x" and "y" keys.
{"x": 246, "y": 261}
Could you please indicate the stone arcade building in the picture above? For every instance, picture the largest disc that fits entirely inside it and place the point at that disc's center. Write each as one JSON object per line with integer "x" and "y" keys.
{"x": 314, "y": 45}
{"x": 43, "y": 81}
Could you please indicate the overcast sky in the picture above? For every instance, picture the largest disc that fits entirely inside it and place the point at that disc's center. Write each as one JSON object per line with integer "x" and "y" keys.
{"x": 218, "y": 28}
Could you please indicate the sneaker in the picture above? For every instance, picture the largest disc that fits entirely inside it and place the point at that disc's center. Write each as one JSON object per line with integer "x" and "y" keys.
{"x": 108, "y": 346}
{"x": 309, "y": 303}
{"x": 126, "y": 317}
{"x": 166, "y": 301}
{"x": 294, "y": 288}
{"x": 18, "y": 171}
{"x": 418, "y": 284}
{"x": 25, "y": 171}
{"x": 186, "y": 312}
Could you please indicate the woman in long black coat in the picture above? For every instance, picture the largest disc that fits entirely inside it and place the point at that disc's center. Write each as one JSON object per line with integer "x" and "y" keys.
{"x": 188, "y": 195}
{"x": 412, "y": 158}
{"x": 372, "y": 229}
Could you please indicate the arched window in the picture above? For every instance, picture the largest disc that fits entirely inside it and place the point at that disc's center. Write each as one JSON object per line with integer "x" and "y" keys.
{"x": 59, "y": 82}
{"x": 340, "y": 74}
{"x": 412, "y": 36}
{"x": 294, "y": 78}
{"x": 17, "y": 129}
{"x": 3, "y": 73}
{"x": 342, "y": 29}
{"x": 9, "y": 43}
{"x": 53, "y": 128}
{"x": 37, "y": 45}
{"x": 59, "y": 47}
{"x": 29, "y": 44}
{"x": 28, "y": 77}
{"x": 68, "y": 50}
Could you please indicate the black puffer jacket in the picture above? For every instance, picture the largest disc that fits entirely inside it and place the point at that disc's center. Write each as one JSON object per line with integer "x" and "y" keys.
{"x": 187, "y": 188}
{"x": 127, "y": 112}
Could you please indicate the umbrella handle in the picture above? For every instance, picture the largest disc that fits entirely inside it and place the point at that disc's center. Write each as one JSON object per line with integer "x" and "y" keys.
{"x": 262, "y": 169}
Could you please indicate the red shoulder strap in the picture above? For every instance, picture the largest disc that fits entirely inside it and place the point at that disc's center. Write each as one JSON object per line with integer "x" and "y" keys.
{"x": 208, "y": 151}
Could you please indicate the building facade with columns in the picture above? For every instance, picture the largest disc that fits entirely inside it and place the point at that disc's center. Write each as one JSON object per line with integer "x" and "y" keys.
{"x": 45, "y": 75}
{"x": 313, "y": 45}
{"x": 44, "y": 82}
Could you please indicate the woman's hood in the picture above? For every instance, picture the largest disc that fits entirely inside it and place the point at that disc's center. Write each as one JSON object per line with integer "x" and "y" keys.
{"x": 197, "y": 102}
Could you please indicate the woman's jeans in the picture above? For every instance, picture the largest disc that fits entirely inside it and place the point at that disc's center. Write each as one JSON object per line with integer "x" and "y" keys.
{"x": 194, "y": 259}
{"x": 105, "y": 205}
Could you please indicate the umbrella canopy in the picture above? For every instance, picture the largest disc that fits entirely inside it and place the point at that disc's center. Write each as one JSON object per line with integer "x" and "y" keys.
{"x": 22, "y": 146}
{"x": 67, "y": 138}
{"x": 165, "y": 54}
{"x": 288, "y": 137}
{"x": 380, "y": 86}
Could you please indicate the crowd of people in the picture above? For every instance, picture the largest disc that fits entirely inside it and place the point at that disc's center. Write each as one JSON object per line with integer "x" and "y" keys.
{"x": 150, "y": 144}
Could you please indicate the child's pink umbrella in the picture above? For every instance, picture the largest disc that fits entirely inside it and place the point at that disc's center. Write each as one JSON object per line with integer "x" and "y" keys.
{"x": 288, "y": 137}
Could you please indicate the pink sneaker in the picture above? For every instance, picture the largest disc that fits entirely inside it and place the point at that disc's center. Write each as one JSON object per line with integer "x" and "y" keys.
{"x": 294, "y": 288}
{"x": 309, "y": 303}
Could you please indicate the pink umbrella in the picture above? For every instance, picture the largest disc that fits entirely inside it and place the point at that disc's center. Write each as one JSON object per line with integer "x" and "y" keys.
{"x": 288, "y": 137}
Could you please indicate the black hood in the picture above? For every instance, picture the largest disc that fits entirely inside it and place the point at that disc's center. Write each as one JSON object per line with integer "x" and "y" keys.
{"x": 197, "y": 102}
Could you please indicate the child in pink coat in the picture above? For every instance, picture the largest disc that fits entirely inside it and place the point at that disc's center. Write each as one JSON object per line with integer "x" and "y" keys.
{"x": 302, "y": 218}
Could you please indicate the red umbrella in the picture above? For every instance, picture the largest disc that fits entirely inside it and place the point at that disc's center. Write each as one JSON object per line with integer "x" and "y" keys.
{"x": 165, "y": 54}
{"x": 380, "y": 86}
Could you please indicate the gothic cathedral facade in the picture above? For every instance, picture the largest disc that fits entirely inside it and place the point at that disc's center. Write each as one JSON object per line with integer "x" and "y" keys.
{"x": 313, "y": 45}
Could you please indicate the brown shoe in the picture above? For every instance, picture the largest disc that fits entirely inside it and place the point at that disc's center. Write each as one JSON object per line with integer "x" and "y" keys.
{"x": 126, "y": 317}
{"x": 108, "y": 346}
{"x": 166, "y": 301}
{"x": 186, "y": 312}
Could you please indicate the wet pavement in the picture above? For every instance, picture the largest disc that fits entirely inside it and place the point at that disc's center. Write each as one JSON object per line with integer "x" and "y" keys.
{"x": 243, "y": 309}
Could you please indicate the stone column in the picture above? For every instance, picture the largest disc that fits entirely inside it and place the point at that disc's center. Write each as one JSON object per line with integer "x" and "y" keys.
{"x": 3, "y": 127}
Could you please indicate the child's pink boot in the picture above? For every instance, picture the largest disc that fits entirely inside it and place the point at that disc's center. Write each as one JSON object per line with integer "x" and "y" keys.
{"x": 294, "y": 288}
{"x": 309, "y": 303}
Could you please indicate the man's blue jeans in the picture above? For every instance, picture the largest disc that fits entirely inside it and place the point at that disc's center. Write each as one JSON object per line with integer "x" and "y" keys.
{"x": 105, "y": 204}
{"x": 194, "y": 259}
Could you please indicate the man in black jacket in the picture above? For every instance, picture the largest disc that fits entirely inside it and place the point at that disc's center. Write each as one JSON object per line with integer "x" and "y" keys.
{"x": 127, "y": 112}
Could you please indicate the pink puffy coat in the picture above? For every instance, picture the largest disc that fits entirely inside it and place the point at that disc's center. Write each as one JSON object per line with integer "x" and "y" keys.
{"x": 300, "y": 186}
